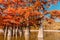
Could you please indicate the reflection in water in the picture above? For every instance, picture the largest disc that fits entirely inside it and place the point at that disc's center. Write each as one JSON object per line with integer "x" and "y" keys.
{"x": 13, "y": 32}
{"x": 9, "y": 35}
{"x": 16, "y": 32}
{"x": 40, "y": 38}
{"x": 26, "y": 34}
{"x": 40, "y": 34}
{"x": 20, "y": 33}
{"x": 5, "y": 33}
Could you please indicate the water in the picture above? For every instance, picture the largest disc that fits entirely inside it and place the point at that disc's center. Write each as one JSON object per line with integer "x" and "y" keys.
{"x": 51, "y": 35}
{"x": 32, "y": 36}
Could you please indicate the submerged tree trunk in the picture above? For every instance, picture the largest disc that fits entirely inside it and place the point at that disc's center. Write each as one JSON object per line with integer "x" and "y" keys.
{"x": 40, "y": 34}
{"x": 16, "y": 32}
{"x": 27, "y": 34}
{"x": 13, "y": 29}
{"x": 5, "y": 32}
{"x": 20, "y": 31}
{"x": 9, "y": 34}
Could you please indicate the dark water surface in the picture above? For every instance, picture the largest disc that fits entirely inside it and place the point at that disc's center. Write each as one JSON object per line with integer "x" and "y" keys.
{"x": 33, "y": 36}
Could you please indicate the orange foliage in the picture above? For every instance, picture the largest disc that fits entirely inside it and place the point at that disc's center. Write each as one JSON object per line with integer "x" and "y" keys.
{"x": 56, "y": 13}
{"x": 17, "y": 12}
{"x": 1, "y": 1}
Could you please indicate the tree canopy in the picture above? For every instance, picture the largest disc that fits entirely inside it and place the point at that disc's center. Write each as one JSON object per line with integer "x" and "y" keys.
{"x": 19, "y": 12}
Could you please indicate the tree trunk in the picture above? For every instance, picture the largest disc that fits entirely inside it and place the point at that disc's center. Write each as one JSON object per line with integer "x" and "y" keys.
{"x": 20, "y": 32}
{"x": 9, "y": 35}
{"x": 13, "y": 31}
{"x": 27, "y": 34}
{"x": 16, "y": 32}
{"x": 40, "y": 34}
{"x": 5, "y": 33}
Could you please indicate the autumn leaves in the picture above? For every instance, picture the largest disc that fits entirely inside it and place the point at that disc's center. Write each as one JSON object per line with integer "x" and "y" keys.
{"x": 20, "y": 15}
{"x": 17, "y": 12}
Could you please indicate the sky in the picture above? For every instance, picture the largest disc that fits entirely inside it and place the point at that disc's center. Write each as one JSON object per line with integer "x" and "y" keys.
{"x": 54, "y": 7}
